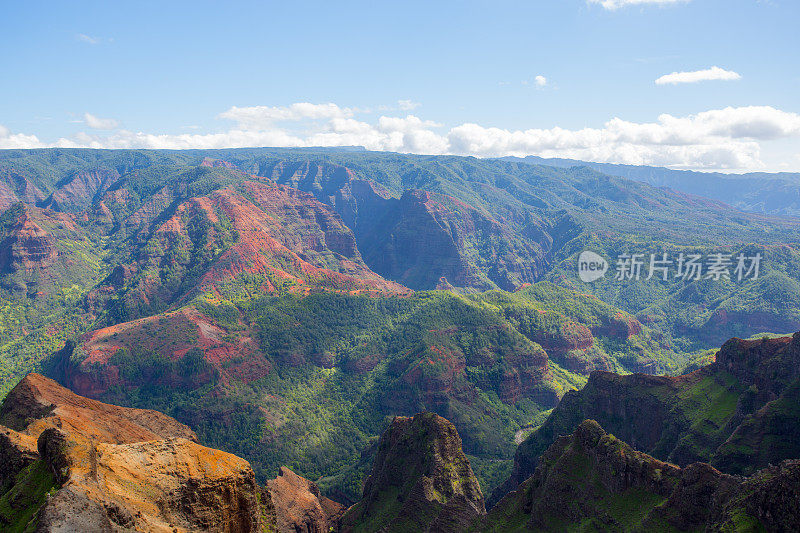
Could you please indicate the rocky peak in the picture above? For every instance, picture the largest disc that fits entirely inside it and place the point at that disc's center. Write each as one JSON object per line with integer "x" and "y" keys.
{"x": 768, "y": 364}
{"x": 109, "y": 468}
{"x": 420, "y": 480}
{"x": 299, "y": 506}
{"x": 750, "y": 393}
{"x": 423, "y": 236}
{"x": 593, "y": 480}
{"x": 38, "y": 403}
{"x": 619, "y": 466}
{"x": 75, "y": 464}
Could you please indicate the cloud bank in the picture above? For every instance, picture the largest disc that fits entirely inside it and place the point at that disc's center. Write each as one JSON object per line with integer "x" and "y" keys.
{"x": 729, "y": 138}
{"x": 711, "y": 74}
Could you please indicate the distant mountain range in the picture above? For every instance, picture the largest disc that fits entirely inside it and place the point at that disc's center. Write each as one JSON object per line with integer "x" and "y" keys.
{"x": 754, "y": 192}
{"x": 286, "y": 305}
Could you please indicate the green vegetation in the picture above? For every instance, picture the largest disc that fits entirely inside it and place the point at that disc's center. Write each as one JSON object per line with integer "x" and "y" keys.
{"x": 323, "y": 371}
{"x": 695, "y": 314}
{"x": 610, "y": 215}
{"x": 20, "y": 503}
{"x": 41, "y": 308}
{"x": 585, "y": 483}
{"x": 341, "y": 364}
{"x": 766, "y": 436}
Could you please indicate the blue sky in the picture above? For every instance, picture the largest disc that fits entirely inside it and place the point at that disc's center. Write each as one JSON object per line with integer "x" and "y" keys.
{"x": 430, "y": 77}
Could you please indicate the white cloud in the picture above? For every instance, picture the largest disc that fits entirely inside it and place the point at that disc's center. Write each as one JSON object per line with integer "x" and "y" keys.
{"x": 88, "y": 39}
{"x": 407, "y": 105}
{"x": 97, "y": 123}
{"x": 540, "y": 80}
{"x": 409, "y": 123}
{"x": 262, "y": 117}
{"x": 711, "y": 74}
{"x": 9, "y": 140}
{"x": 616, "y": 4}
{"x": 722, "y": 138}
{"x": 729, "y": 138}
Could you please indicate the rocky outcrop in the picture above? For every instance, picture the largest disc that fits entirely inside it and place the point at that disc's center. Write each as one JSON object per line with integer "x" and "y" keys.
{"x": 578, "y": 476}
{"x": 300, "y": 507}
{"x": 75, "y": 464}
{"x": 25, "y": 245}
{"x": 38, "y": 403}
{"x": 771, "y": 496}
{"x": 17, "y": 452}
{"x": 619, "y": 401}
{"x": 731, "y": 413}
{"x": 594, "y": 480}
{"x": 420, "y": 480}
{"x": 570, "y": 346}
{"x": 154, "y": 485}
{"x": 769, "y": 365}
{"x": 438, "y": 369}
{"x": 117, "y": 469}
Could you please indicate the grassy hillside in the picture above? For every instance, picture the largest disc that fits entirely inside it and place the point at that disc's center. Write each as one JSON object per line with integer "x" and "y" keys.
{"x": 738, "y": 413}
{"x": 258, "y": 294}
{"x": 308, "y": 381}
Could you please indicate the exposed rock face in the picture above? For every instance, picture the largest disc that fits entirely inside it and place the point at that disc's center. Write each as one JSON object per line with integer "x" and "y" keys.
{"x": 17, "y": 451}
{"x": 125, "y": 469}
{"x": 216, "y": 163}
{"x": 300, "y": 507}
{"x": 153, "y": 485}
{"x": 281, "y": 238}
{"x": 78, "y": 192}
{"x": 25, "y": 245}
{"x": 728, "y": 413}
{"x": 200, "y": 348}
{"x": 698, "y": 490}
{"x": 101, "y": 214}
{"x": 437, "y": 369}
{"x": 148, "y": 212}
{"x": 43, "y": 251}
{"x": 421, "y": 481}
{"x": 426, "y": 240}
{"x": 591, "y": 478}
{"x": 772, "y": 496}
{"x": 15, "y": 187}
{"x": 38, "y": 403}
{"x": 569, "y": 347}
{"x": 769, "y": 365}
{"x": 623, "y": 402}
